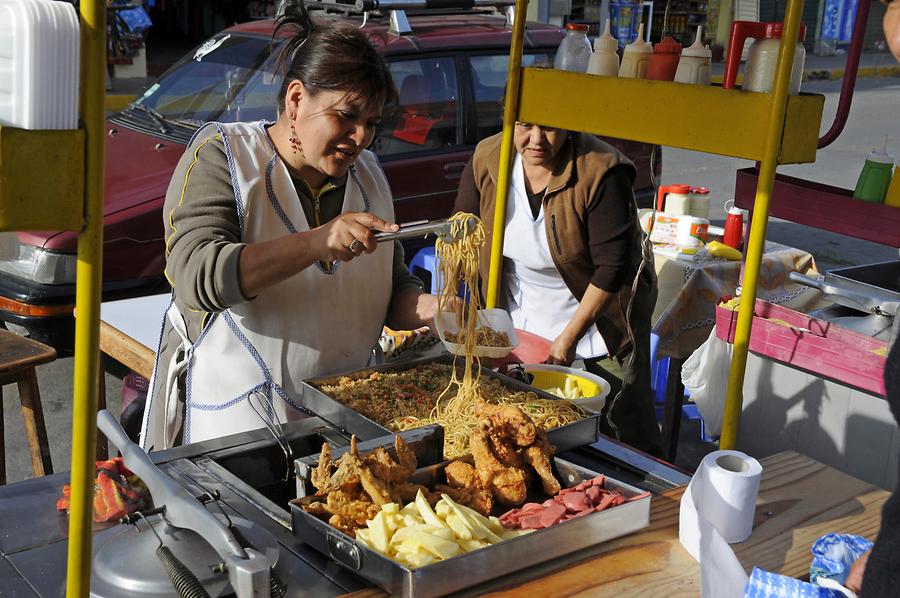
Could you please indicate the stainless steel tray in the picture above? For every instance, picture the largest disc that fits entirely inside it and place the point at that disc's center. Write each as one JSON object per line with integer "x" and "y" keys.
{"x": 567, "y": 437}
{"x": 473, "y": 568}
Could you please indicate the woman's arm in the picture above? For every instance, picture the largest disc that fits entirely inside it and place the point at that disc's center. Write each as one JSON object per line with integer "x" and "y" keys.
{"x": 609, "y": 226}
{"x": 468, "y": 198}
{"x": 207, "y": 263}
{"x": 595, "y": 300}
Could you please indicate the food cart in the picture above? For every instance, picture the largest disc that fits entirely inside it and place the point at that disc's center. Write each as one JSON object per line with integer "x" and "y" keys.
{"x": 245, "y": 479}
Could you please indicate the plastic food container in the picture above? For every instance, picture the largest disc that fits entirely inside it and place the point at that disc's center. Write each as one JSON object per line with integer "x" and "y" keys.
{"x": 497, "y": 319}
{"x": 593, "y": 388}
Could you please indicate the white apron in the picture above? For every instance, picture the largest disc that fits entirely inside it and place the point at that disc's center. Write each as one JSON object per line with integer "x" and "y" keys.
{"x": 247, "y": 362}
{"x": 534, "y": 292}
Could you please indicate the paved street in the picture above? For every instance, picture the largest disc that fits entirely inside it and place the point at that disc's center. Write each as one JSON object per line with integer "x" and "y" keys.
{"x": 874, "y": 113}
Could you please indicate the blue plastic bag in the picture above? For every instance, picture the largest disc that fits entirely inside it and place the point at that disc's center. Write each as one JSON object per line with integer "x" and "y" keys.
{"x": 765, "y": 584}
{"x": 834, "y": 554}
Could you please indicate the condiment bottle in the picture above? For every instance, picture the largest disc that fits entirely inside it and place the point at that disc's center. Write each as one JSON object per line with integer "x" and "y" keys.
{"x": 762, "y": 58}
{"x": 893, "y": 194}
{"x": 700, "y": 202}
{"x": 695, "y": 62}
{"x": 674, "y": 199}
{"x": 875, "y": 177}
{"x": 664, "y": 61}
{"x": 636, "y": 57}
{"x": 574, "y": 50}
{"x": 604, "y": 60}
{"x": 734, "y": 228}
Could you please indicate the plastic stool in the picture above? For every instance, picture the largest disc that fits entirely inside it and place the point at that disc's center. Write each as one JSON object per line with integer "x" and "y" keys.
{"x": 659, "y": 377}
{"x": 425, "y": 265}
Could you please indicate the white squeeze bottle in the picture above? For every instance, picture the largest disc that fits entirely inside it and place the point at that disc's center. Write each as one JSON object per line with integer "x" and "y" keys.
{"x": 693, "y": 67}
{"x": 636, "y": 57}
{"x": 604, "y": 59}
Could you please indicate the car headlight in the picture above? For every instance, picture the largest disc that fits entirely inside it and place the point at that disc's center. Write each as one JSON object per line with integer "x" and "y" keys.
{"x": 35, "y": 263}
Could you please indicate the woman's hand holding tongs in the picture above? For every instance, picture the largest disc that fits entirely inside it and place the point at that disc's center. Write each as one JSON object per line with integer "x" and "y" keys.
{"x": 348, "y": 236}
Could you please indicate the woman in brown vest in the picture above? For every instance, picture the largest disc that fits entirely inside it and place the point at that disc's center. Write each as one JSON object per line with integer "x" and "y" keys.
{"x": 573, "y": 261}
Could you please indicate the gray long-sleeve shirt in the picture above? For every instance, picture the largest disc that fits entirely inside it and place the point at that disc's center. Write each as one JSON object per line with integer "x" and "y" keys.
{"x": 203, "y": 235}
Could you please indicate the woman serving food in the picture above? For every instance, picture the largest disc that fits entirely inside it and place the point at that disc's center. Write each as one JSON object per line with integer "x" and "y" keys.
{"x": 275, "y": 270}
{"x": 573, "y": 267}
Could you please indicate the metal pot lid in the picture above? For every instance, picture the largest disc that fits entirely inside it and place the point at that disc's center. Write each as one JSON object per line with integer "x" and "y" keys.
{"x": 127, "y": 565}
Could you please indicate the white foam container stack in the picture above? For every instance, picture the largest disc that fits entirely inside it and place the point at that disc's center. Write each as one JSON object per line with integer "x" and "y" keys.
{"x": 39, "y": 64}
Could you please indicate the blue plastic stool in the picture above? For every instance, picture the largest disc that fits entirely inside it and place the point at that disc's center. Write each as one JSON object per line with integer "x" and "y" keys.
{"x": 425, "y": 265}
{"x": 659, "y": 377}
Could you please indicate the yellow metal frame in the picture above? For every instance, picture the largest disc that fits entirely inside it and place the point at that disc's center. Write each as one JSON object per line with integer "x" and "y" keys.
{"x": 694, "y": 117}
{"x": 510, "y": 110}
{"x": 87, "y": 299}
{"x": 53, "y": 200}
{"x": 53, "y": 180}
{"x": 772, "y": 128}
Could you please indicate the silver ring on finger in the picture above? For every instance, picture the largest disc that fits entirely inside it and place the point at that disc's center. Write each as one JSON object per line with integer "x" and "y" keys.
{"x": 356, "y": 247}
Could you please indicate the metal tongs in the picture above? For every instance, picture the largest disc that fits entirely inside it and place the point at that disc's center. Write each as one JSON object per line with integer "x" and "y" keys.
{"x": 423, "y": 228}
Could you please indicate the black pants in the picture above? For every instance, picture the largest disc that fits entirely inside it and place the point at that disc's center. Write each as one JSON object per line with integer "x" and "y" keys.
{"x": 630, "y": 417}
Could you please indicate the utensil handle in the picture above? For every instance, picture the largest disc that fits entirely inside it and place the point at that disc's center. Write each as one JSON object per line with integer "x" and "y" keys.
{"x": 414, "y": 230}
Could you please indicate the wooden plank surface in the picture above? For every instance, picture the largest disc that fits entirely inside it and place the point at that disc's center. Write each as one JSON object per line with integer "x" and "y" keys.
{"x": 799, "y": 500}
{"x": 127, "y": 351}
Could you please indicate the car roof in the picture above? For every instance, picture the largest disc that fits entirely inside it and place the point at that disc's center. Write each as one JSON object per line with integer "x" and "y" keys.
{"x": 435, "y": 32}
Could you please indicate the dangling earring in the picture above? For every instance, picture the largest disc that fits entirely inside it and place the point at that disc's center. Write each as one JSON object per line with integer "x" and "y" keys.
{"x": 295, "y": 141}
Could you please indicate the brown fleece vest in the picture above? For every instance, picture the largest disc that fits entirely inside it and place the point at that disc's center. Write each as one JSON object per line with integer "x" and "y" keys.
{"x": 583, "y": 161}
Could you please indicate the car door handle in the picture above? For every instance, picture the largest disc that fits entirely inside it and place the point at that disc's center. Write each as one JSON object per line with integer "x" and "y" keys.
{"x": 454, "y": 170}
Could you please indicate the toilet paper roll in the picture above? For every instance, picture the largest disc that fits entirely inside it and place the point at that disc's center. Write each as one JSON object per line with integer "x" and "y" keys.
{"x": 718, "y": 508}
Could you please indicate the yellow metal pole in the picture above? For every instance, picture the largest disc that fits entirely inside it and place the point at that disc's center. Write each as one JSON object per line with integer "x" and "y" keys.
{"x": 87, "y": 299}
{"x": 510, "y": 111}
{"x": 734, "y": 395}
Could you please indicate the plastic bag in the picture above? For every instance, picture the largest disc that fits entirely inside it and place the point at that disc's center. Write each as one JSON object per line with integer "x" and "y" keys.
{"x": 705, "y": 376}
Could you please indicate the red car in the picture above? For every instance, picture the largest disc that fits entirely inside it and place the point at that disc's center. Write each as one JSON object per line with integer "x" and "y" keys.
{"x": 450, "y": 70}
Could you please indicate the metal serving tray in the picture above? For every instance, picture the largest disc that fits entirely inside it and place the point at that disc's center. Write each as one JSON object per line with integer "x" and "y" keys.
{"x": 473, "y": 568}
{"x": 585, "y": 431}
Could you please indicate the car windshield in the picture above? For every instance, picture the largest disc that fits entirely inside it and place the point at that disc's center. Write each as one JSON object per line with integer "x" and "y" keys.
{"x": 227, "y": 79}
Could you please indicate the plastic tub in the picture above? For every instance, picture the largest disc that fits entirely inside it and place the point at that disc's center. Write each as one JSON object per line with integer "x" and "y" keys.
{"x": 593, "y": 388}
{"x": 497, "y": 319}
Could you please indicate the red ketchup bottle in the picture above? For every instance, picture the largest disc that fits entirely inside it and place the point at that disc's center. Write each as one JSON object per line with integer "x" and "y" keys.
{"x": 734, "y": 228}
{"x": 664, "y": 61}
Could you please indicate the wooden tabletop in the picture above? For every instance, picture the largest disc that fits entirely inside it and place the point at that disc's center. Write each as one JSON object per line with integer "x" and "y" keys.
{"x": 799, "y": 500}
{"x": 136, "y": 356}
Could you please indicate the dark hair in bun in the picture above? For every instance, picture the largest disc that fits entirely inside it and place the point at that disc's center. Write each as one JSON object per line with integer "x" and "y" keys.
{"x": 331, "y": 56}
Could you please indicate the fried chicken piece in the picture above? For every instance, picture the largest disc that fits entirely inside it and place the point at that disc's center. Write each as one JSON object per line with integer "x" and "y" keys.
{"x": 407, "y": 492}
{"x": 321, "y": 475}
{"x": 507, "y": 484}
{"x": 506, "y": 420}
{"x": 349, "y": 510}
{"x": 465, "y": 487}
{"x": 538, "y": 456}
{"x": 461, "y": 474}
{"x": 377, "y": 489}
{"x": 388, "y": 470}
{"x": 505, "y": 451}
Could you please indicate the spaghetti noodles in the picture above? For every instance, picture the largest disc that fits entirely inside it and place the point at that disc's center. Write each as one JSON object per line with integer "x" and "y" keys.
{"x": 459, "y": 259}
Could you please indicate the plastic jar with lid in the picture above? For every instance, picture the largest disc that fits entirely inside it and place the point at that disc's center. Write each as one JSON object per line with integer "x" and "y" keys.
{"x": 574, "y": 50}
{"x": 700, "y": 202}
{"x": 762, "y": 57}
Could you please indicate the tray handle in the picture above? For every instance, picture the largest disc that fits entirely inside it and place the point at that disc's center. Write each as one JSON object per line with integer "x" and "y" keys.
{"x": 344, "y": 551}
